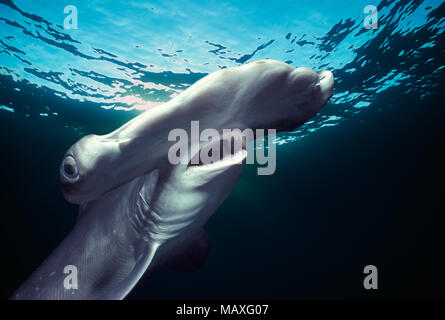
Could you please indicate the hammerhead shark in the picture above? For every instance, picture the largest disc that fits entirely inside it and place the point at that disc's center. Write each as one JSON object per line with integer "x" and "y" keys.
{"x": 139, "y": 212}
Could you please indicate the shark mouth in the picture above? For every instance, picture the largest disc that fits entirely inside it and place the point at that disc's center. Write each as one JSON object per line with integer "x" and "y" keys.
{"x": 220, "y": 152}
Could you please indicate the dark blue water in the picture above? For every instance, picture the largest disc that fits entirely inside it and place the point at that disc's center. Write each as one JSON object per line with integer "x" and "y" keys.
{"x": 359, "y": 184}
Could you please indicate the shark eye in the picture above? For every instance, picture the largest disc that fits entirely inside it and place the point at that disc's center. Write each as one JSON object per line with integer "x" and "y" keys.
{"x": 69, "y": 169}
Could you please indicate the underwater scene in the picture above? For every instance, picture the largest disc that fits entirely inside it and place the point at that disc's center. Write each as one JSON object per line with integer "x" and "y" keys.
{"x": 358, "y": 184}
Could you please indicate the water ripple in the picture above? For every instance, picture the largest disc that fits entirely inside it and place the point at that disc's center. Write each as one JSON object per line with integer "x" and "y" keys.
{"x": 137, "y": 66}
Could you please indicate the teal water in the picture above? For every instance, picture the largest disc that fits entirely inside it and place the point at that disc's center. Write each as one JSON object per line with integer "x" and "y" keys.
{"x": 354, "y": 186}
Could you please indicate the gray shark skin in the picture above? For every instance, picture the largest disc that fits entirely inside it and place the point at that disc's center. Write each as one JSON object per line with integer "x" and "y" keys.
{"x": 137, "y": 212}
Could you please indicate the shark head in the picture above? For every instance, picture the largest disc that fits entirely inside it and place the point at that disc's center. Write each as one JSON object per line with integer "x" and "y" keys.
{"x": 265, "y": 94}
